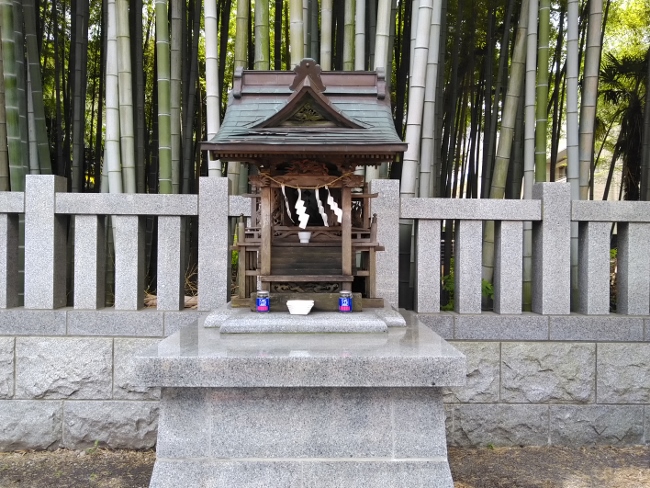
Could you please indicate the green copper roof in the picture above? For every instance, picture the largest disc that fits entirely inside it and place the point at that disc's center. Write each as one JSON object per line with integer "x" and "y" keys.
{"x": 307, "y": 112}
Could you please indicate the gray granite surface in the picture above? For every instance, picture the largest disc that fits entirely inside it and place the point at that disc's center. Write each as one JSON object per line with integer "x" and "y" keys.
{"x": 12, "y": 202}
{"x": 469, "y": 209}
{"x": 128, "y": 234}
{"x": 126, "y": 204}
{"x": 467, "y": 273}
{"x": 170, "y": 276}
{"x": 620, "y": 211}
{"x": 633, "y": 267}
{"x": 243, "y": 321}
{"x": 45, "y": 244}
{"x": 552, "y": 250}
{"x": 386, "y": 206}
{"x": 214, "y": 257}
{"x": 508, "y": 267}
{"x": 9, "y": 258}
{"x": 6, "y": 367}
{"x": 79, "y": 368}
{"x": 427, "y": 267}
{"x": 89, "y": 262}
{"x": 596, "y": 424}
{"x": 404, "y": 356}
{"x": 594, "y": 267}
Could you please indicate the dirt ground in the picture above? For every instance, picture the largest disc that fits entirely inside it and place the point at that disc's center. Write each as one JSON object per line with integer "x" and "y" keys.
{"x": 528, "y": 467}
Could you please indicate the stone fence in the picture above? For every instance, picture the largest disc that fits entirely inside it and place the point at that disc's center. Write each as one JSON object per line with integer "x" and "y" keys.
{"x": 552, "y": 375}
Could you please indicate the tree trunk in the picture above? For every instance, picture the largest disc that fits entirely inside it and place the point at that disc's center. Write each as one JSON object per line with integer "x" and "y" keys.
{"x": 112, "y": 146}
{"x": 4, "y": 156}
{"x": 33, "y": 60}
{"x": 296, "y": 32}
{"x": 177, "y": 36}
{"x": 326, "y": 35}
{"x": 212, "y": 97}
{"x": 589, "y": 94}
{"x": 542, "y": 91}
{"x": 125, "y": 90}
{"x": 262, "y": 47}
{"x": 360, "y": 35}
{"x": 348, "y": 36}
{"x": 164, "y": 98}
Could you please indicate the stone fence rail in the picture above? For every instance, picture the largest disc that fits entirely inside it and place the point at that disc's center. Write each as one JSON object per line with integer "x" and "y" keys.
{"x": 46, "y": 206}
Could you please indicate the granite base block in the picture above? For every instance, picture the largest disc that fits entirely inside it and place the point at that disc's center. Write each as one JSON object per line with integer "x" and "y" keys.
{"x": 296, "y": 473}
{"x": 304, "y": 410}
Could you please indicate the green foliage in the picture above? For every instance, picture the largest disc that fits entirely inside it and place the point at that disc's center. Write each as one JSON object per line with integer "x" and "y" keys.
{"x": 234, "y": 255}
{"x": 448, "y": 285}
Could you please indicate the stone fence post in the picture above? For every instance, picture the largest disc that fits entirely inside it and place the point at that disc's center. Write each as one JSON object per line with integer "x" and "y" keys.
{"x": 552, "y": 250}
{"x": 11, "y": 204}
{"x": 387, "y": 208}
{"x": 45, "y": 243}
{"x": 214, "y": 254}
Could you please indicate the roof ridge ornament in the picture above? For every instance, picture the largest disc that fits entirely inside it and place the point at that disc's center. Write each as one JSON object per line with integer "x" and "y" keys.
{"x": 308, "y": 73}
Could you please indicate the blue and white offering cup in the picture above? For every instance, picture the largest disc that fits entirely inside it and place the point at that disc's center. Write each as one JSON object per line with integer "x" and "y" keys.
{"x": 263, "y": 302}
{"x": 345, "y": 301}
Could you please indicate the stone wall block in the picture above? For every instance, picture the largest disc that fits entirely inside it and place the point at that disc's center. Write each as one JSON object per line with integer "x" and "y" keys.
{"x": 548, "y": 372}
{"x": 89, "y": 262}
{"x": 387, "y": 208}
{"x": 573, "y": 425}
{"x": 552, "y": 250}
{"x": 128, "y": 233}
{"x": 53, "y": 368}
{"x": 6, "y": 367}
{"x": 9, "y": 257}
{"x": 483, "y": 370}
{"x": 623, "y": 373}
{"x": 500, "y": 425}
{"x": 467, "y": 272}
{"x": 601, "y": 328}
{"x": 442, "y": 323}
{"x": 126, "y": 385}
{"x": 633, "y": 266}
{"x": 21, "y": 322}
{"x": 427, "y": 295}
{"x": 490, "y": 326}
{"x": 111, "y": 322}
{"x": 213, "y": 259}
{"x": 45, "y": 243}
{"x": 508, "y": 266}
{"x": 30, "y": 425}
{"x": 114, "y": 424}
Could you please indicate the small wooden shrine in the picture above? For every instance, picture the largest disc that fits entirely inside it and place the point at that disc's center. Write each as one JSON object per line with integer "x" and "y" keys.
{"x": 304, "y": 133}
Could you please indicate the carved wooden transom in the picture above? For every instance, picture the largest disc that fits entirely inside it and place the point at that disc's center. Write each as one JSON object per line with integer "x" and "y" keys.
{"x": 308, "y": 115}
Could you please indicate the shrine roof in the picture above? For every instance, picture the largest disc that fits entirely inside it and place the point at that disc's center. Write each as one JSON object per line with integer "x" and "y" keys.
{"x": 305, "y": 113}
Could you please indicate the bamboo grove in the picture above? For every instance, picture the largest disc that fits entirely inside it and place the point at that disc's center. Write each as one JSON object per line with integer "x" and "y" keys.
{"x": 490, "y": 95}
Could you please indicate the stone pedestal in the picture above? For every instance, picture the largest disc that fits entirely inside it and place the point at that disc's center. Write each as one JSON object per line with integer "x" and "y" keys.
{"x": 302, "y": 410}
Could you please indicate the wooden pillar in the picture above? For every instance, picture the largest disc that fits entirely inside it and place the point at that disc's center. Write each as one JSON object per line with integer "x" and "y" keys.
{"x": 346, "y": 235}
{"x": 266, "y": 233}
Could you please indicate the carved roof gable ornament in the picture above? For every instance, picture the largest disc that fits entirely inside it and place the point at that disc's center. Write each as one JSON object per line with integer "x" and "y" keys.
{"x": 307, "y": 72}
{"x": 307, "y": 105}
